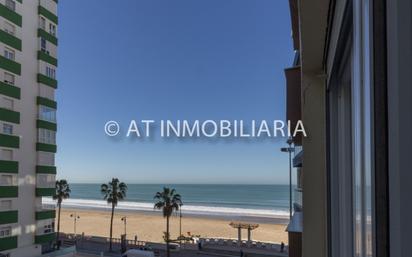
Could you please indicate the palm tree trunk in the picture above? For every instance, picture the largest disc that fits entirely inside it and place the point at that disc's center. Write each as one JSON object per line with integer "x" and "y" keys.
{"x": 111, "y": 228}
{"x": 167, "y": 237}
{"x": 58, "y": 225}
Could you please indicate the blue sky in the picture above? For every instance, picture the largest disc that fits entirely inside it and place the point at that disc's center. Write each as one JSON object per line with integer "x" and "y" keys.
{"x": 170, "y": 59}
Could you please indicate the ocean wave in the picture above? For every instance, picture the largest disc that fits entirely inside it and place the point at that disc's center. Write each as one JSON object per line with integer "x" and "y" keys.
{"x": 186, "y": 209}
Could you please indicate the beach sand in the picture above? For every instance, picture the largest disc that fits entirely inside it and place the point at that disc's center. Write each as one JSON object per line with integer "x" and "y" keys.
{"x": 150, "y": 227}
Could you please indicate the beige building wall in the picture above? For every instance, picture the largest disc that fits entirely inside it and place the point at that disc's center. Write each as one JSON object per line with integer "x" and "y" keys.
{"x": 314, "y": 199}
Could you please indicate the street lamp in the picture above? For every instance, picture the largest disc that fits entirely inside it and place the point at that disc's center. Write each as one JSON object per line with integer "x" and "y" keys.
{"x": 124, "y": 219}
{"x": 75, "y": 218}
{"x": 180, "y": 222}
{"x": 289, "y": 150}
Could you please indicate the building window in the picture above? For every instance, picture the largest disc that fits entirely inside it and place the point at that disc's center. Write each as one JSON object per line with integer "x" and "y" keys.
{"x": 5, "y": 232}
{"x": 50, "y": 72}
{"x": 9, "y": 78}
{"x": 11, "y": 5}
{"x": 6, "y": 154}
{"x": 52, "y": 29}
{"x": 48, "y": 228}
{"x": 42, "y": 23}
{"x": 5, "y": 205}
{"x": 9, "y": 28}
{"x": 6, "y": 180}
{"x": 7, "y": 129}
{"x": 7, "y": 103}
{"x": 46, "y": 180}
{"x": 47, "y": 113}
{"x": 43, "y": 44}
{"x": 47, "y": 136}
{"x": 9, "y": 54}
{"x": 45, "y": 158}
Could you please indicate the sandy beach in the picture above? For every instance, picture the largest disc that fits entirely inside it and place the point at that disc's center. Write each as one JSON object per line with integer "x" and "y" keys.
{"x": 150, "y": 227}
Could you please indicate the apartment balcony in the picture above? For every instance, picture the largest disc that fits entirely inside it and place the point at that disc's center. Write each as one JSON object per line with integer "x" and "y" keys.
{"x": 9, "y": 141}
{"x": 9, "y": 90}
{"x": 45, "y": 214}
{"x": 9, "y": 116}
{"x": 51, "y": 6}
{"x": 46, "y": 102}
{"x": 298, "y": 158}
{"x": 45, "y": 57}
{"x": 48, "y": 14}
{"x": 10, "y": 40}
{"x": 8, "y": 243}
{"x": 9, "y": 166}
{"x": 10, "y": 15}
{"x": 46, "y": 147}
{"x": 297, "y": 201}
{"x": 45, "y": 191}
{"x": 9, "y": 191}
{"x": 45, "y": 238}
{"x": 294, "y": 229}
{"x": 43, "y": 169}
{"x": 46, "y": 35}
{"x": 46, "y": 125}
{"x": 46, "y": 80}
{"x": 8, "y": 217}
{"x": 10, "y": 65}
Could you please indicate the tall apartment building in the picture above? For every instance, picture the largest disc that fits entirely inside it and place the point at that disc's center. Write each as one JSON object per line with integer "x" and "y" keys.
{"x": 28, "y": 62}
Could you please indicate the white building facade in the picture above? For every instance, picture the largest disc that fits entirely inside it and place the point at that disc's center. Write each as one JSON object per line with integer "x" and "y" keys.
{"x": 28, "y": 63}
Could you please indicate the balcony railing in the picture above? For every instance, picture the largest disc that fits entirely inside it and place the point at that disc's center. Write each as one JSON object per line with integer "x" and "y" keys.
{"x": 45, "y": 238}
{"x": 45, "y": 214}
{"x": 45, "y": 191}
{"x": 9, "y": 166}
{"x": 8, "y": 217}
{"x": 10, "y": 15}
{"x": 9, "y": 191}
{"x": 7, "y": 243}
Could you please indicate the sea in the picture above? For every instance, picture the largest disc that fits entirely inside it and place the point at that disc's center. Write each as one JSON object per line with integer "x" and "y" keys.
{"x": 227, "y": 201}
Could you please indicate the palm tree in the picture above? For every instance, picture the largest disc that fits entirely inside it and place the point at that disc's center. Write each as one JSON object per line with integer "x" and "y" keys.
{"x": 62, "y": 192}
{"x": 168, "y": 201}
{"x": 113, "y": 192}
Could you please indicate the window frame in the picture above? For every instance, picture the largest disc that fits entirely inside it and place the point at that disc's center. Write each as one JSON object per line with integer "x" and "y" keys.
{"x": 7, "y": 3}
{"x": 46, "y": 136}
{"x": 2, "y": 150}
{"x": 5, "y": 80}
{"x": 52, "y": 113}
{"x": 10, "y": 101}
{"x": 8, "y": 52}
{"x": 10, "y": 126}
{"x": 6, "y": 228}
{"x": 6, "y": 29}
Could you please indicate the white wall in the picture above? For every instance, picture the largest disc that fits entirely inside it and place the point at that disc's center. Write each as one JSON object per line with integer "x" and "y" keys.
{"x": 26, "y": 155}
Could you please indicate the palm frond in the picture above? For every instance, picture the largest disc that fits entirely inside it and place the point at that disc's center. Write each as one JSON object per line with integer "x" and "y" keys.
{"x": 168, "y": 201}
{"x": 114, "y": 191}
{"x": 62, "y": 190}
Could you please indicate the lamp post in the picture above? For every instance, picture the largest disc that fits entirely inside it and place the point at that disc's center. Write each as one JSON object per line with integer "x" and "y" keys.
{"x": 124, "y": 219}
{"x": 180, "y": 223}
{"x": 75, "y": 218}
{"x": 289, "y": 150}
